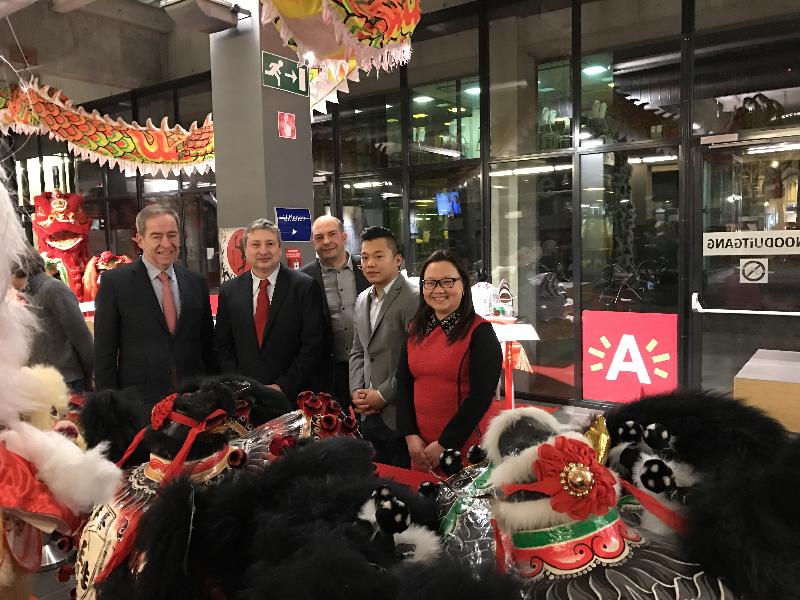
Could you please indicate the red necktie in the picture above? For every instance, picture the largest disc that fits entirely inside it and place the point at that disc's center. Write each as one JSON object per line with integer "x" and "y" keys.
{"x": 262, "y": 310}
{"x": 168, "y": 302}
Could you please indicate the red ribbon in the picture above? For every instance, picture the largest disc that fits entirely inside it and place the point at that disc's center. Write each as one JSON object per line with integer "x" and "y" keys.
{"x": 668, "y": 516}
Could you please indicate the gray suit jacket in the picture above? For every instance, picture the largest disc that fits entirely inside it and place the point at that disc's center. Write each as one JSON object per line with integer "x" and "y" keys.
{"x": 375, "y": 354}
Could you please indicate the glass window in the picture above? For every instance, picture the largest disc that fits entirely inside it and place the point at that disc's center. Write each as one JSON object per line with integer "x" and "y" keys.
{"x": 445, "y": 95}
{"x": 749, "y": 193}
{"x": 630, "y": 71}
{"x": 370, "y": 201}
{"x": 122, "y": 215}
{"x": 629, "y": 228}
{"x": 194, "y": 103}
{"x": 90, "y": 179}
{"x": 531, "y": 103}
{"x": 26, "y": 160}
{"x": 159, "y": 184}
{"x": 55, "y": 165}
{"x": 323, "y": 195}
{"x": 198, "y": 181}
{"x": 322, "y": 144}
{"x": 370, "y": 132}
{"x": 445, "y": 121}
{"x": 95, "y": 209}
{"x": 446, "y": 214}
{"x": 155, "y": 107}
{"x": 200, "y": 241}
{"x": 753, "y": 83}
{"x": 531, "y": 223}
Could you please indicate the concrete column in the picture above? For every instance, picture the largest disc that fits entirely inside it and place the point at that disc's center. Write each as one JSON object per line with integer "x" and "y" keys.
{"x": 256, "y": 170}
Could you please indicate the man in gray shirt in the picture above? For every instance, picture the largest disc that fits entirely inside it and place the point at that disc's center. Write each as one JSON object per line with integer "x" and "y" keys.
{"x": 338, "y": 273}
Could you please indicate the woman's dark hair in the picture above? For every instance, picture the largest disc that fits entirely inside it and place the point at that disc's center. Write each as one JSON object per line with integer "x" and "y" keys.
{"x": 28, "y": 264}
{"x": 465, "y": 310}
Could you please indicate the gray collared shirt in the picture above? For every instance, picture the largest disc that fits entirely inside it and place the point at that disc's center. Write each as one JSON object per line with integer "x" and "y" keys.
{"x": 153, "y": 273}
{"x": 340, "y": 292}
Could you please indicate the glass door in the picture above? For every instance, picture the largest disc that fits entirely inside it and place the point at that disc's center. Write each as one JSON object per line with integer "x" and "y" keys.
{"x": 748, "y": 292}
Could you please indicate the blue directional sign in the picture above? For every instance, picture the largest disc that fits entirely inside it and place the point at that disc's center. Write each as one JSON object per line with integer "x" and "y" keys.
{"x": 294, "y": 223}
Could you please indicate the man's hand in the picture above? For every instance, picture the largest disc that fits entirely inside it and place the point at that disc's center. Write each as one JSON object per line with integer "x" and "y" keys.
{"x": 416, "y": 449}
{"x": 368, "y": 401}
{"x": 432, "y": 452}
{"x": 275, "y": 386}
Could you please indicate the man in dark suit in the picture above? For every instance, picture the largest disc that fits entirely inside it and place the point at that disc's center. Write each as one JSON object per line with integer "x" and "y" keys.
{"x": 269, "y": 319}
{"x": 339, "y": 276}
{"x": 152, "y": 324}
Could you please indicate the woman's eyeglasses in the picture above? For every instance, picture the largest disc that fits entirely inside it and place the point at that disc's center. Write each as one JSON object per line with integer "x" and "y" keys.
{"x": 446, "y": 283}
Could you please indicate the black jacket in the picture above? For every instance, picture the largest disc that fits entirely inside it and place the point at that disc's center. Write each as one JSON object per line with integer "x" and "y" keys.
{"x": 132, "y": 345}
{"x": 314, "y": 270}
{"x": 293, "y": 353}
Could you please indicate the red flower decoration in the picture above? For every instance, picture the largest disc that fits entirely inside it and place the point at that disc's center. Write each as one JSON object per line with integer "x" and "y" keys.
{"x": 312, "y": 406}
{"x": 279, "y": 446}
{"x": 161, "y": 411}
{"x": 564, "y": 467}
{"x": 304, "y": 397}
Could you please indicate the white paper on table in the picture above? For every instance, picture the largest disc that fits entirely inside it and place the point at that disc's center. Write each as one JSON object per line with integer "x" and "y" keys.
{"x": 515, "y": 332}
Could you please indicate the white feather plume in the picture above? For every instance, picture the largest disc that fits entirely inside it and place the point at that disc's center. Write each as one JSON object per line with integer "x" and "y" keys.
{"x": 79, "y": 479}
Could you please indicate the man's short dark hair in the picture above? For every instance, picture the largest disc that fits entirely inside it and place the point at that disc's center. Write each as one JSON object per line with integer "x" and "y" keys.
{"x": 375, "y": 233}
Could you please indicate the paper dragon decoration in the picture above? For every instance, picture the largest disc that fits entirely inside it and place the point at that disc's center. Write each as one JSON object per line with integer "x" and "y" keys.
{"x": 336, "y": 38}
{"x": 339, "y": 37}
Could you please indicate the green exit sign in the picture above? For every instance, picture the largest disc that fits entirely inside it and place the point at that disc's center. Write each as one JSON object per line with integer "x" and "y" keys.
{"x": 284, "y": 74}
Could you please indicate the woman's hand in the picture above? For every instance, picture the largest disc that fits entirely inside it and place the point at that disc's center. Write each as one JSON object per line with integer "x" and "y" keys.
{"x": 433, "y": 452}
{"x": 416, "y": 449}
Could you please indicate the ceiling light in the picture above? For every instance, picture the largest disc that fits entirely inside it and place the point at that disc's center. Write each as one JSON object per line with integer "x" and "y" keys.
{"x": 652, "y": 159}
{"x": 696, "y": 126}
{"x": 446, "y": 123}
{"x": 388, "y": 106}
{"x": 611, "y": 85}
{"x": 766, "y": 204}
{"x": 594, "y": 70}
{"x": 473, "y": 91}
{"x": 775, "y": 148}
{"x": 534, "y": 170}
{"x": 392, "y": 120}
{"x": 423, "y": 99}
{"x": 454, "y": 109}
{"x": 441, "y": 151}
{"x": 547, "y": 89}
{"x": 563, "y": 167}
{"x": 584, "y": 135}
{"x": 505, "y": 173}
{"x": 358, "y": 112}
{"x": 420, "y": 115}
{"x": 774, "y": 164}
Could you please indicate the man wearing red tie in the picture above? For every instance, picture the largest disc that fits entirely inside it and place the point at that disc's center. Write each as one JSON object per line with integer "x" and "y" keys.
{"x": 153, "y": 324}
{"x": 269, "y": 319}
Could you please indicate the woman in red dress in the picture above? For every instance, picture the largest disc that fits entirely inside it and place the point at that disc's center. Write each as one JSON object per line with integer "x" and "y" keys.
{"x": 449, "y": 368}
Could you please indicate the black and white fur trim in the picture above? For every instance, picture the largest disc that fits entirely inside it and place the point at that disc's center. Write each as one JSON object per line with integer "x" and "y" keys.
{"x": 531, "y": 514}
{"x": 427, "y": 545}
{"x": 504, "y": 420}
{"x": 683, "y": 476}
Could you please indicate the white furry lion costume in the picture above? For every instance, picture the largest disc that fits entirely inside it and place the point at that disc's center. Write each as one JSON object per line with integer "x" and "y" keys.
{"x": 46, "y": 481}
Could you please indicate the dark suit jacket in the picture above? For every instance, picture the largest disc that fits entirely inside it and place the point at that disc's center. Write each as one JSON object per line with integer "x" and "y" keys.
{"x": 314, "y": 270}
{"x": 293, "y": 352}
{"x": 132, "y": 345}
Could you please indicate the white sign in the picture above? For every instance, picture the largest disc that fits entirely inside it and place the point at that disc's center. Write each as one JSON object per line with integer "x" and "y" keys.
{"x": 748, "y": 243}
{"x": 753, "y": 270}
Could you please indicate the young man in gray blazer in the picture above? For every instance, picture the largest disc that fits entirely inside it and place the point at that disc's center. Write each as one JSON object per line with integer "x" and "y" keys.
{"x": 382, "y": 315}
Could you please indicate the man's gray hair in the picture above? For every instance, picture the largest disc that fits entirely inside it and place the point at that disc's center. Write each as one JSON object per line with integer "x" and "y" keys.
{"x": 154, "y": 210}
{"x": 262, "y": 224}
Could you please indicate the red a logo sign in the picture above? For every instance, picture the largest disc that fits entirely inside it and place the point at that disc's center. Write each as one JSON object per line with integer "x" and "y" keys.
{"x": 627, "y": 355}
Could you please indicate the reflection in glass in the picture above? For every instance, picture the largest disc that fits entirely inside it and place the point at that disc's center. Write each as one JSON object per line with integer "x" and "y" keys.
{"x": 629, "y": 227}
{"x": 445, "y": 121}
{"x": 194, "y": 103}
{"x": 370, "y": 131}
{"x": 531, "y": 103}
{"x": 752, "y": 189}
{"x": 446, "y": 214}
{"x": 200, "y": 248}
{"x": 532, "y": 252}
{"x": 322, "y": 144}
{"x": 630, "y": 85}
{"x": 371, "y": 201}
{"x": 754, "y": 83}
{"x": 122, "y": 213}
